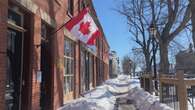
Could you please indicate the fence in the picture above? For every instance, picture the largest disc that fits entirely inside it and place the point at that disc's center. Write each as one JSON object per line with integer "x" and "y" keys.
{"x": 178, "y": 91}
{"x": 146, "y": 82}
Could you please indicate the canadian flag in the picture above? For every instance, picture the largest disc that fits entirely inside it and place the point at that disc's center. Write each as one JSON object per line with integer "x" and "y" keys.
{"x": 84, "y": 27}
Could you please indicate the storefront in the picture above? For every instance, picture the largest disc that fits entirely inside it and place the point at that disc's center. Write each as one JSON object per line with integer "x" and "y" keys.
{"x": 43, "y": 67}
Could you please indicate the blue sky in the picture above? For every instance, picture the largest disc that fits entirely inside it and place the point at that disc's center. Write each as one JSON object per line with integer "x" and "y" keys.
{"x": 115, "y": 26}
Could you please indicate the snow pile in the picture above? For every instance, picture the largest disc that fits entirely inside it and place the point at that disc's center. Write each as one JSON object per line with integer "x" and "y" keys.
{"x": 81, "y": 104}
{"x": 105, "y": 97}
{"x": 98, "y": 93}
{"x": 122, "y": 84}
{"x": 97, "y": 99}
{"x": 145, "y": 101}
{"x": 102, "y": 97}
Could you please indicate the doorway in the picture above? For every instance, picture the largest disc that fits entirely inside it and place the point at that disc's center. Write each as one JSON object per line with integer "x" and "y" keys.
{"x": 46, "y": 76}
{"x": 14, "y": 69}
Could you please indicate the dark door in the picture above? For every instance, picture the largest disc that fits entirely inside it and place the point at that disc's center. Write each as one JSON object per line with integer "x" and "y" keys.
{"x": 46, "y": 86}
{"x": 14, "y": 70}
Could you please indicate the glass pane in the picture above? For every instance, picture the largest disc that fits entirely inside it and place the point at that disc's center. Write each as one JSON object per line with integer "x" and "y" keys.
{"x": 65, "y": 85}
{"x": 72, "y": 67}
{"x": 69, "y": 66}
{"x": 65, "y": 67}
{"x": 14, "y": 17}
{"x": 91, "y": 68}
{"x": 72, "y": 83}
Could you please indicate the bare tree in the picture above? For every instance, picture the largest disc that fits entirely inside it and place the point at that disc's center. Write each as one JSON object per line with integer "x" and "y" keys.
{"x": 134, "y": 10}
{"x": 127, "y": 65}
{"x": 138, "y": 58}
{"x": 192, "y": 4}
{"x": 170, "y": 17}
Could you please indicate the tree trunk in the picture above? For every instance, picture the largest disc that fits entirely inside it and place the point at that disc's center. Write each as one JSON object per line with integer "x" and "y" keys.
{"x": 148, "y": 65}
{"x": 193, "y": 20}
{"x": 164, "y": 61}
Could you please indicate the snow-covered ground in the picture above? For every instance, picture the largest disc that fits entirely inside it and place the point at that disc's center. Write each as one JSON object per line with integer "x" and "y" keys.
{"x": 121, "y": 93}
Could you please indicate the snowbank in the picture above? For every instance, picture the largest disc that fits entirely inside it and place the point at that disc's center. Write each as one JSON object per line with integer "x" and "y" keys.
{"x": 145, "y": 101}
{"x": 82, "y": 104}
{"x": 122, "y": 84}
{"x": 104, "y": 97}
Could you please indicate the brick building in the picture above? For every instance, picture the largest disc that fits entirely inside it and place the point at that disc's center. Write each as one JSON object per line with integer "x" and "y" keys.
{"x": 41, "y": 64}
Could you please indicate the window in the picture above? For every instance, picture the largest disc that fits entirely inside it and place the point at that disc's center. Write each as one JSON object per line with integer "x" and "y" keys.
{"x": 14, "y": 18}
{"x": 70, "y": 7}
{"x": 86, "y": 69}
{"x": 43, "y": 30}
{"x": 98, "y": 71}
{"x": 69, "y": 66}
{"x": 82, "y": 70}
{"x": 91, "y": 71}
{"x": 82, "y": 4}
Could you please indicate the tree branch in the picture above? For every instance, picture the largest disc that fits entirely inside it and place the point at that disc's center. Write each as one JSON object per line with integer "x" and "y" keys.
{"x": 182, "y": 25}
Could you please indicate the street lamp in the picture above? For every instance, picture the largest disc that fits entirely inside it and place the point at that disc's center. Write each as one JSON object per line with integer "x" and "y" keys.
{"x": 152, "y": 30}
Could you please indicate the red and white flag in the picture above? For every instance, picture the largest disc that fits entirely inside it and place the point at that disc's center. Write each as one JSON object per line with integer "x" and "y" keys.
{"x": 84, "y": 27}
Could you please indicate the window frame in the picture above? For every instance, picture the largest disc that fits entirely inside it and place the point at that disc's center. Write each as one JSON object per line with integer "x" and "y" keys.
{"x": 70, "y": 59}
{"x": 70, "y": 8}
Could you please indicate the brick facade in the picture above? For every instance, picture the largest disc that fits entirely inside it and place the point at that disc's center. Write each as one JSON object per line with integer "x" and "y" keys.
{"x": 3, "y": 43}
{"x": 36, "y": 62}
{"x": 53, "y": 13}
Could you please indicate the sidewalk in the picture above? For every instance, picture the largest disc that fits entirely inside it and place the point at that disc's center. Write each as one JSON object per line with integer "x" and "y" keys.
{"x": 121, "y": 93}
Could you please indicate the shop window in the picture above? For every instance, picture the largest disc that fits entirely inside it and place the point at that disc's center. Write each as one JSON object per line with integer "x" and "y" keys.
{"x": 69, "y": 66}
{"x": 86, "y": 62}
{"x": 82, "y": 70}
{"x": 70, "y": 7}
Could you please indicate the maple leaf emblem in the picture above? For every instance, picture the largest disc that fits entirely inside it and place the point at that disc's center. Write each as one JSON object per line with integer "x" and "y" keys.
{"x": 84, "y": 28}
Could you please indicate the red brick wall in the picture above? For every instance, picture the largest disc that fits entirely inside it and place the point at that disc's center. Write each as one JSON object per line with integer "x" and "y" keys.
{"x": 3, "y": 44}
{"x": 57, "y": 11}
{"x": 59, "y": 59}
{"x": 36, "y": 62}
{"x": 28, "y": 44}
